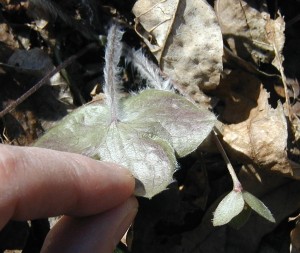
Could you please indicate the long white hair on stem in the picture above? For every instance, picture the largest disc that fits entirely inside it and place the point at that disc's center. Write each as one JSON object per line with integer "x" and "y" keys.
{"x": 148, "y": 70}
{"x": 111, "y": 71}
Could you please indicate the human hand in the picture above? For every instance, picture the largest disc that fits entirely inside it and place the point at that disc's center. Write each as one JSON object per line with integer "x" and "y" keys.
{"x": 94, "y": 197}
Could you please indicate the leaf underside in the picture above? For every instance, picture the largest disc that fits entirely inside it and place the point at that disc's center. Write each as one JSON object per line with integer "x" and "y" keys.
{"x": 258, "y": 206}
{"x": 228, "y": 208}
{"x": 153, "y": 126}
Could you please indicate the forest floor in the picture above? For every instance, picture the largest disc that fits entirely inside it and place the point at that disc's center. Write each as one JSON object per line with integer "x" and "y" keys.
{"x": 251, "y": 84}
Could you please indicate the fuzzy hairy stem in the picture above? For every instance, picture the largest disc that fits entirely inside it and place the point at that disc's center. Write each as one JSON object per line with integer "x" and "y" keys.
{"x": 111, "y": 70}
{"x": 237, "y": 186}
{"x": 148, "y": 70}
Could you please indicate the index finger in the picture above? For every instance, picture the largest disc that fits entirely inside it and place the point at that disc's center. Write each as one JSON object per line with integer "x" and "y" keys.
{"x": 37, "y": 183}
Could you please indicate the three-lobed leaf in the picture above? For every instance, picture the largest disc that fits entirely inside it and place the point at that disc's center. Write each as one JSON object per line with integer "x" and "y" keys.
{"x": 152, "y": 126}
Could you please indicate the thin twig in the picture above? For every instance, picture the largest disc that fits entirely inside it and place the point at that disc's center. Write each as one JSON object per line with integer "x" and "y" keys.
{"x": 45, "y": 79}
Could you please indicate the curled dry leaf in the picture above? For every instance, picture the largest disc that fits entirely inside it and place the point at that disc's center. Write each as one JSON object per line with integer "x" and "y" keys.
{"x": 185, "y": 38}
{"x": 275, "y": 35}
{"x": 262, "y": 137}
{"x": 243, "y": 25}
{"x": 7, "y": 41}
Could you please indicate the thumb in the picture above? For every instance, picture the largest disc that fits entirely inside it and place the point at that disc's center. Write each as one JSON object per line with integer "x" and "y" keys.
{"x": 98, "y": 233}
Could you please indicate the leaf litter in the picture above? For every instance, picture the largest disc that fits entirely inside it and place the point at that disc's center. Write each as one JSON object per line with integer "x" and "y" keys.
{"x": 260, "y": 132}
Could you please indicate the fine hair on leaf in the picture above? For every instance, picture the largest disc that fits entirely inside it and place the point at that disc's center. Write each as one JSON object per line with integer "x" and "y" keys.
{"x": 111, "y": 71}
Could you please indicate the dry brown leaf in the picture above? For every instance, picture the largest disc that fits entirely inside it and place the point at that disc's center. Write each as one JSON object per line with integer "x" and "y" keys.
{"x": 239, "y": 91}
{"x": 8, "y": 43}
{"x": 243, "y": 27}
{"x": 275, "y": 34}
{"x": 185, "y": 38}
{"x": 262, "y": 137}
{"x": 155, "y": 18}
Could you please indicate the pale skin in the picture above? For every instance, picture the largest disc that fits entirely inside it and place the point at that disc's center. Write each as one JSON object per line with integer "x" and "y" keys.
{"x": 94, "y": 197}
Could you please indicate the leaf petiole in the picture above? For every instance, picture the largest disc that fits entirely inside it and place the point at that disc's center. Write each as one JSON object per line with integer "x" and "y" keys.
{"x": 237, "y": 186}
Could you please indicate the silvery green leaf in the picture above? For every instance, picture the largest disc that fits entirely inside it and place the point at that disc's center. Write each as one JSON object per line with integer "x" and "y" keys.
{"x": 151, "y": 127}
{"x": 187, "y": 124}
{"x": 258, "y": 206}
{"x": 150, "y": 159}
{"x": 80, "y": 132}
{"x": 228, "y": 208}
{"x": 87, "y": 131}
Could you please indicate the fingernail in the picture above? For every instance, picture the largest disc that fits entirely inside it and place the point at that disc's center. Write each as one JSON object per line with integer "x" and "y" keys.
{"x": 129, "y": 210}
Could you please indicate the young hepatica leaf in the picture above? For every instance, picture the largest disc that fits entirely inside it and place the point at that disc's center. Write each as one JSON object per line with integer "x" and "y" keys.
{"x": 80, "y": 132}
{"x": 152, "y": 126}
{"x": 258, "y": 206}
{"x": 186, "y": 123}
{"x": 228, "y": 208}
{"x": 150, "y": 159}
{"x": 87, "y": 131}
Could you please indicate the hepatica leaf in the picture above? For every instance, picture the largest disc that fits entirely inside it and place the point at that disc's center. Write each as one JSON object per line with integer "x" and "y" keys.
{"x": 186, "y": 123}
{"x": 233, "y": 204}
{"x": 143, "y": 132}
{"x": 258, "y": 206}
{"x": 153, "y": 126}
{"x": 228, "y": 208}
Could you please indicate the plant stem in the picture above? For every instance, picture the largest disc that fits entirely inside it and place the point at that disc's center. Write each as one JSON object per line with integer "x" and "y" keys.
{"x": 111, "y": 71}
{"x": 237, "y": 186}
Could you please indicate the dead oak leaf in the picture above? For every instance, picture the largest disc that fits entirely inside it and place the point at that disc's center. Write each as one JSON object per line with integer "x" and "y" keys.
{"x": 243, "y": 27}
{"x": 262, "y": 137}
{"x": 186, "y": 40}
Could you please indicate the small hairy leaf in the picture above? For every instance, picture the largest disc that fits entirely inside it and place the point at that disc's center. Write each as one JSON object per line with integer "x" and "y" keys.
{"x": 228, "y": 208}
{"x": 152, "y": 126}
{"x": 187, "y": 124}
{"x": 258, "y": 206}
